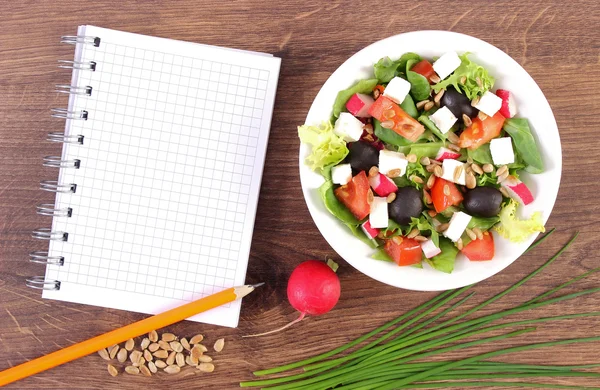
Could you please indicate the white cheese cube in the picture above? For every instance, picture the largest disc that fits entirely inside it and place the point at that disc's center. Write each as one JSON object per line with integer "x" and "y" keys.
{"x": 458, "y": 224}
{"x": 449, "y": 166}
{"x": 341, "y": 174}
{"x": 429, "y": 249}
{"x": 489, "y": 103}
{"x": 444, "y": 119}
{"x": 397, "y": 89}
{"x": 502, "y": 151}
{"x": 348, "y": 127}
{"x": 378, "y": 218}
{"x": 389, "y": 160}
{"x": 446, "y": 64}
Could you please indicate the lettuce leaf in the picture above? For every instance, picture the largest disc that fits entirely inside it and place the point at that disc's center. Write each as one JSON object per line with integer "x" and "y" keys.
{"x": 514, "y": 229}
{"x": 335, "y": 207}
{"x": 385, "y": 69}
{"x": 327, "y": 147}
{"x": 363, "y": 86}
{"x": 444, "y": 261}
{"x": 471, "y": 71}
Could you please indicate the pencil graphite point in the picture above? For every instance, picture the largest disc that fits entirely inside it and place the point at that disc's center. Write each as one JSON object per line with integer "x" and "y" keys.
{"x": 257, "y": 285}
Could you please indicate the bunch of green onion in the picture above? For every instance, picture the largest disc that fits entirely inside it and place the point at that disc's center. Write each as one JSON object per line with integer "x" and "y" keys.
{"x": 395, "y": 358}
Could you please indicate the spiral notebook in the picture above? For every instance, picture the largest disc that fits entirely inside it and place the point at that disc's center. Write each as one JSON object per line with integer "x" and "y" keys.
{"x": 159, "y": 177}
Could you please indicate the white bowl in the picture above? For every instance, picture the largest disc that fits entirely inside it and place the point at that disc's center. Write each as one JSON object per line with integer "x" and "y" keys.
{"x": 531, "y": 104}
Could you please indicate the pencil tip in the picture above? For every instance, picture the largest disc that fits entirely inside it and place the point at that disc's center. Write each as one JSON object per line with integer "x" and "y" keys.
{"x": 257, "y": 285}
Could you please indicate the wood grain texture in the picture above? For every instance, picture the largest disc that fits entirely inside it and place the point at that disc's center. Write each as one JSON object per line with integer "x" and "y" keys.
{"x": 556, "y": 41}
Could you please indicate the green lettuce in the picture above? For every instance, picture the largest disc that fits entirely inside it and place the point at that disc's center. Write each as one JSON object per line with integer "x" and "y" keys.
{"x": 327, "y": 147}
{"x": 444, "y": 261}
{"x": 471, "y": 72}
{"x": 385, "y": 69}
{"x": 514, "y": 229}
{"x": 518, "y": 129}
{"x": 363, "y": 86}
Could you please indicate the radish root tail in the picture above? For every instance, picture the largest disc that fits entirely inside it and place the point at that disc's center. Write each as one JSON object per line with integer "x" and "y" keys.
{"x": 302, "y": 315}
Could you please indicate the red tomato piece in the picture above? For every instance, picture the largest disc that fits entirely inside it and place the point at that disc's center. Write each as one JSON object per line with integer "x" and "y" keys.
{"x": 404, "y": 251}
{"x": 481, "y": 131}
{"x": 480, "y": 249}
{"x": 354, "y": 195}
{"x": 442, "y": 199}
{"x": 425, "y": 69}
{"x": 395, "y": 118}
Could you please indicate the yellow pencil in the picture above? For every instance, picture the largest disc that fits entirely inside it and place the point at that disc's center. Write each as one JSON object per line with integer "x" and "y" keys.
{"x": 125, "y": 333}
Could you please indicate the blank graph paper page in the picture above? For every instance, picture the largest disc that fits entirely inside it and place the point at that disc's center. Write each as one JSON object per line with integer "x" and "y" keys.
{"x": 170, "y": 169}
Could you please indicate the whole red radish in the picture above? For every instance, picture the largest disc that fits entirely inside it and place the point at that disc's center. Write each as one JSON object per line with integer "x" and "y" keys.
{"x": 313, "y": 289}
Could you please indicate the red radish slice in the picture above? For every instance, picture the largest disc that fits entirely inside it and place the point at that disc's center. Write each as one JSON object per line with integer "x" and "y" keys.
{"x": 359, "y": 104}
{"x": 382, "y": 185}
{"x": 509, "y": 106}
{"x": 370, "y": 231}
{"x": 313, "y": 289}
{"x": 517, "y": 190}
{"x": 445, "y": 153}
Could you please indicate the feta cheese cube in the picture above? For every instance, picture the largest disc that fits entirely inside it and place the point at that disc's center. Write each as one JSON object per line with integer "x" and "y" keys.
{"x": 341, "y": 174}
{"x": 389, "y": 160}
{"x": 458, "y": 224}
{"x": 378, "y": 218}
{"x": 397, "y": 89}
{"x": 489, "y": 103}
{"x": 429, "y": 249}
{"x": 444, "y": 119}
{"x": 446, "y": 64}
{"x": 348, "y": 127}
{"x": 449, "y": 166}
{"x": 502, "y": 151}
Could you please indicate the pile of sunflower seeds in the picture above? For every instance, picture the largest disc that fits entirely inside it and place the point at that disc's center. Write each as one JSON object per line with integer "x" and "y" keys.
{"x": 168, "y": 353}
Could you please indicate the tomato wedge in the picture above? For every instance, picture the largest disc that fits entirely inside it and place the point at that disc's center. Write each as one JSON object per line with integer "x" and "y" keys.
{"x": 481, "y": 131}
{"x": 425, "y": 69}
{"x": 480, "y": 249}
{"x": 354, "y": 195}
{"x": 441, "y": 201}
{"x": 389, "y": 113}
{"x": 404, "y": 251}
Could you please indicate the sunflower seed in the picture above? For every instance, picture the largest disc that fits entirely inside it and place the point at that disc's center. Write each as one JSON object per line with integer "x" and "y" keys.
{"x": 112, "y": 370}
{"x": 185, "y": 344}
{"x": 205, "y": 359}
{"x": 502, "y": 177}
{"x": 161, "y": 354}
{"x": 428, "y": 106}
{"x": 153, "y": 336}
{"x": 422, "y": 103}
{"x": 135, "y": 356}
{"x": 148, "y": 356}
{"x": 180, "y": 359}
{"x": 152, "y": 367}
{"x": 145, "y": 343}
{"x": 196, "y": 339}
{"x": 122, "y": 355}
{"x": 475, "y": 101}
{"x": 478, "y": 233}
{"x": 442, "y": 227}
{"x": 488, "y": 168}
{"x": 425, "y": 160}
{"x": 466, "y": 120}
{"x": 432, "y": 213}
{"x": 434, "y": 78}
{"x": 368, "y": 128}
{"x": 504, "y": 192}
{"x": 471, "y": 234}
{"x": 196, "y": 352}
{"x": 430, "y": 167}
{"x": 397, "y": 240}
{"x": 421, "y": 238}
{"x": 411, "y": 158}
{"x": 470, "y": 181}
{"x": 447, "y": 189}
{"x": 394, "y": 173}
{"x": 373, "y": 171}
{"x": 477, "y": 169}
{"x": 431, "y": 181}
{"x": 190, "y": 361}
{"x": 501, "y": 170}
{"x": 438, "y": 96}
{"x": 413, "y": 233}
{"x": 132, "y": 370}
{"x": 459, "y": 244}
{"x": 168, "y": 337}
{"x": 141, "y": 361}
{"x": 104, "y": 354}
{"x": 438, "y": 171}
{"x": 391, "y": 197}
{"x": 129, "y": 344}
{"x": 153, "y": 347}
{"x": 160, "y": 364}
{"x": 113, "y": 351}
{"x": 387, "y": 124}
{"x": 171, "y": 358}
{"x": 145, "y": 371}
{"x": 389, "y": 114}
{"x": 458, "y": 171}
{"x": 427, "y": 197}
{"x": 176, "y": 346}
{"x": 435, "y": 162}
{"x": 454, "y": 147}
{"x": 452, "y": 137}
{"x": 482, "y": 116}
{"x": 369, "y": 138}
{"x": 206, "y": 367}
{"x": 463, "y": 80}
{"x": 164, "y": 345}
{"x": 416, "y": 179}
{"x": 172, "y": 369}
{"x": 202, "y": 348}
{"x": 370, "y": 196}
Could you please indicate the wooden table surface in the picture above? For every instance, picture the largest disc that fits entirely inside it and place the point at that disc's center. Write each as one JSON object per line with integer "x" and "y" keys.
{"x": 557, "y": 42}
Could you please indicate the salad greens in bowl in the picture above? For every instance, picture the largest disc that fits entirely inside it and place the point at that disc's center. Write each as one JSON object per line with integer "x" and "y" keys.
{"x": 430, "y": 160}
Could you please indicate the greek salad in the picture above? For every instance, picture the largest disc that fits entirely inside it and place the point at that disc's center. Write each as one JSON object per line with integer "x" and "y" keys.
{"x": 423, "y": 160}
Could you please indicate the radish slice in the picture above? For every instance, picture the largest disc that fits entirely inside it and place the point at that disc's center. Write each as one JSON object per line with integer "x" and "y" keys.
{"x": 382, "y": 185}
{"x": 509, "y": 106}
{"x": 359, "y": 104}
{"x": 370, "y": 231}
{"x": 517, "y": 190}
{"x": 429, "y": 249}
{"x": 445, "y": 153}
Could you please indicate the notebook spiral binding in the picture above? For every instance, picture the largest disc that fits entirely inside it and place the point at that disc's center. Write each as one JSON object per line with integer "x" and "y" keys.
{"x": 49, "y": 209}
